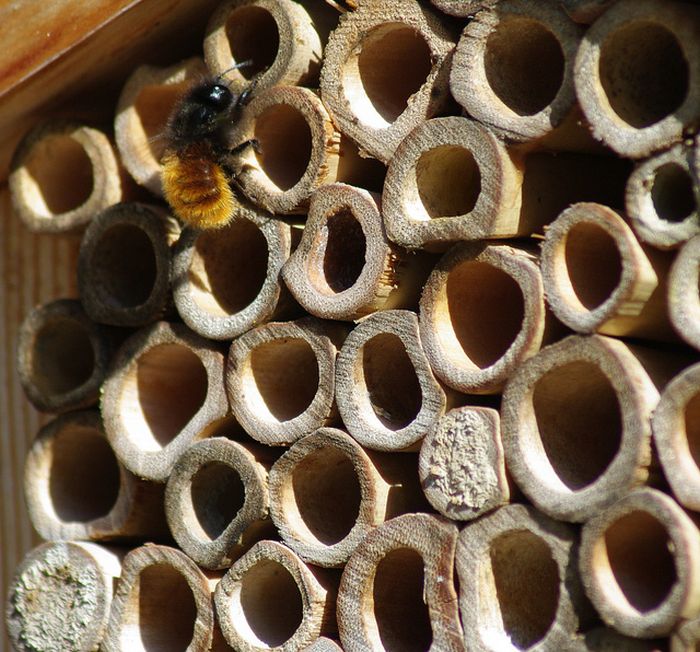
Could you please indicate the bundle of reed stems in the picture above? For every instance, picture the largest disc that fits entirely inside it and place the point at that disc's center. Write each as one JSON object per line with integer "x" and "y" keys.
{"x": 435, "y": 386}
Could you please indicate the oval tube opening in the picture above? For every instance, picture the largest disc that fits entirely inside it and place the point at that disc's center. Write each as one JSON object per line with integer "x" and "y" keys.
{"x": 691, "y": 416}
{"x": 486, "y": 310}
{"x": 124, "y": 282}
{"x": 672, "y": 193}
{"x": 285, "y": 376}
{"x": 253, "y": 36}
{"x": 61, "y": 174}
{"x": 63, "y": 357}
{"x": 224, "y": 282}
{"x": 217, "y": 494}
{"x": 391, "y": 382}
{"x": 167, "y": 388}
{"x": 393, "y": 63}
{"x": 83, "y": 476}
{"x": 524, "y": 65}
{"x": 579, "y": 422}
{"x": 644, "y": 73}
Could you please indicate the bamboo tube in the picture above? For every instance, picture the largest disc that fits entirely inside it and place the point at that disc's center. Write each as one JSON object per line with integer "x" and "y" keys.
{"x": 60, "y": 597}
{"x": 686, "y": 636}
{"x": 344, "y": 266}
{"x": 604, "y": 639}
{"x": 124, "y": 264}
{"x": 385, "y": 71}
{"x": 280, "y": 379}
{"x": 683, "y": 295}
{"x": 585, "y": 11}
{"x": 462, "y": 7}
{"x": 599, "y": 278}
{"x": 676, "y": 428}
{"x": 518, "y": 585}
{"x": 62, "y": 173}
{"x": 590, "y": 389}
{"x": 75, "y": 488}
{"x": 513, "y": 68}
{"x": 327, "y": 493}
{"x": 639, "y": 562}
{"x": 146, "y": 101}
{"x": 221, "y": 294}
{"x": 461, "y": 465}
{"x": 165, "y": 386}
{"x": 324, "y": 644}
{"x": 216, "y": 500}
{"x": 270, "y": 600}
{"x": 162, "y": 602}
{"x": 637, "y": 75}
{"x": 62, "y": 356}
{"x": 453, "y": 179}
{"x": 386, "y": 392}
{"x": 298, "y": 148}
{"x": 279, "y": 37}
{"x": 397, "y": 591}
{"x": 481, "y": 314}
{"x": 662, "y": 202}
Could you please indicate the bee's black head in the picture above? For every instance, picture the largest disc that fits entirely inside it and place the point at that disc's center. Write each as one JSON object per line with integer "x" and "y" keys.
{"x": 201, "y": 111}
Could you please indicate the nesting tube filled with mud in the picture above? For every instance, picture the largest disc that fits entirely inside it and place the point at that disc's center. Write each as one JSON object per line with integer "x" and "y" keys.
{"x": 144, "y": 106}
{"x": 124, "y": 264}
{"x": 387, "y": 394}
{"x": 163, "y": 602}
{"x": 62, "y": 356}
{"x": 513, "y": 68}
{"x": 397, "y": 591}
{"x": 327, "y": 493}
{"x": 166, "y": 384}
{"x": 575, "y": 423}
{"x": 637, "y": 75}
{"x": 481, "y": 314}
{"x": 599, "y": 278}
{"x": 62, "y": 592}
{"x": 278, "y": 38}
{"x": 385, "y": 71}
{"x": 280, "y": 379}
{"x": 270, "y": 600}
{"x": 518, "y": 584}
{"x": 62, "y": 174}
{"x": 639, "y": 563}
{"x": 217, "y": 500}
{"x": 297, "y": 152}
{"x": 75, "y": 488}
{"x": 220, "y": 293}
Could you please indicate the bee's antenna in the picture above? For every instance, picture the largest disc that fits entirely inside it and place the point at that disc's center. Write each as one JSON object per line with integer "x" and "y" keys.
{"x": 241, "y": 64}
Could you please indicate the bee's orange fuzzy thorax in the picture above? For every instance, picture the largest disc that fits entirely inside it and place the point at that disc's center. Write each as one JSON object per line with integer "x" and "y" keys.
{"x": 197, "y": 189}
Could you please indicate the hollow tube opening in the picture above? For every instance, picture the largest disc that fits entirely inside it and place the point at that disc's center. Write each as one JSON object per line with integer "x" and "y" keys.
{"x": 401, "y": 615}
{"x": 672, "y": 193}
{"x": 391, "y": 382}
{"x": 167, "y": 389}
{"x": 526, "y": 582}
{"x": 392, "y": 64}
{"x": 644, "y": 73}
{"x": 253, "y": 36}
{"x": 161, "y": 612}
{"x": 634, "y": 544}
{"x": 524, "y": 65}
{"x": 61, "y": 175}
{"x": 692, "y": 427}
{"x": 285, "y": 144}
{"x": 593, "y": 264}
{"x": 579, "y": 422}
{"x": 324, "y": 501}
{"x": 63, "y": 358}
{"x": 218, "y": 494}
{"x": 486, "y": 311}
{"x": 83, "y": 475}
{"x": 267, "y": 606}
{"x": 448, "y": 180}
{"x": 286, "y": 377}
{"x": 228, "y": 268}
{"x": 124, "y": 281}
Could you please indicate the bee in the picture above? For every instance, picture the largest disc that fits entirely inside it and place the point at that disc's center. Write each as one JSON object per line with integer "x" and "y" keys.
{"x": 198, "y": 161}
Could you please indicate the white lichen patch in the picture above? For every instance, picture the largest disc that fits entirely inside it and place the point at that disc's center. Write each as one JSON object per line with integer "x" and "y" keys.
{"x": 54, "y": 602}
